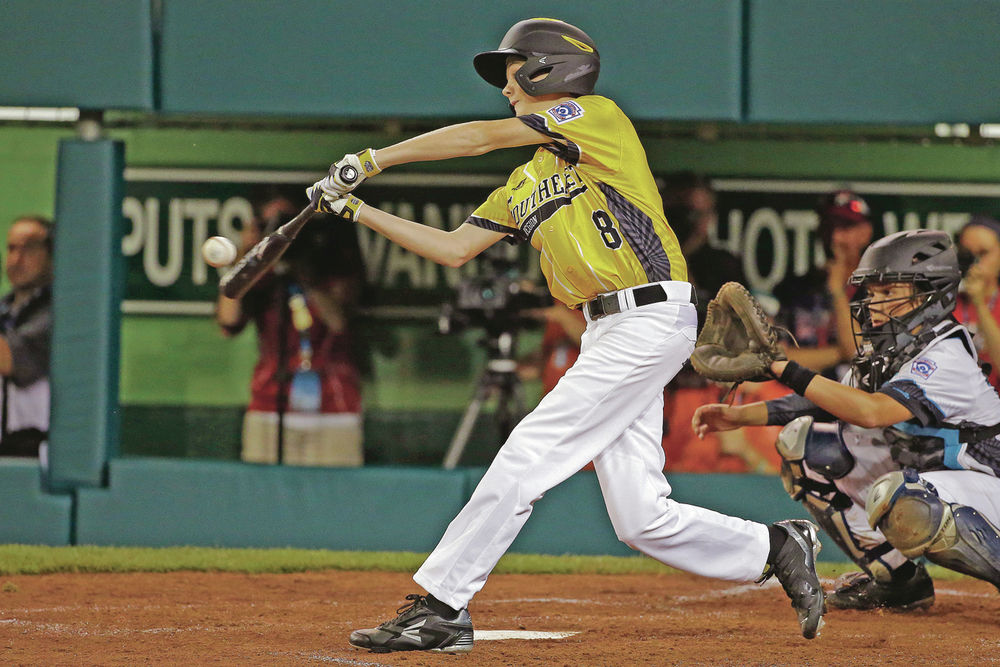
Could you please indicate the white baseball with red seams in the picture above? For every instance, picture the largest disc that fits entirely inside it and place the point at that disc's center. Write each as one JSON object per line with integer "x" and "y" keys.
{"x": 218, "y": 251}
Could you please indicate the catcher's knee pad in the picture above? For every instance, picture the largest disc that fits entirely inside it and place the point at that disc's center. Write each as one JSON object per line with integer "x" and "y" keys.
{"x": 916, "y": 521}
{"x": 908, "y": 513}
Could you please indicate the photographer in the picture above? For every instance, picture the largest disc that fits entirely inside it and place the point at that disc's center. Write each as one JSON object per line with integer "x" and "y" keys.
{"x": 305, "y": 395}
{"x": 978, "y": 307}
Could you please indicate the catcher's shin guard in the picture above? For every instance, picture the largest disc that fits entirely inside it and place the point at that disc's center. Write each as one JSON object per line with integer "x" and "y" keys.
{"x": 916, "y": 521}
{"x": 801, "y": 443}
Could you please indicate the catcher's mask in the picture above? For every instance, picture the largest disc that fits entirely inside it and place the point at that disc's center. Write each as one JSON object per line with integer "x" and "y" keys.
{"x": 922, "y": 258}
{"x": 566, "y": 55}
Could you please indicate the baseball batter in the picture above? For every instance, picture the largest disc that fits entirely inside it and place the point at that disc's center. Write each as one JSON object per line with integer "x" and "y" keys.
{"x": 912, "y": 467}
{"x": 588, "y": 203}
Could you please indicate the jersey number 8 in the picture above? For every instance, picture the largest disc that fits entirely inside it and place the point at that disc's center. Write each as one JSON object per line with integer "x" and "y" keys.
{"x": 612, "y": 239}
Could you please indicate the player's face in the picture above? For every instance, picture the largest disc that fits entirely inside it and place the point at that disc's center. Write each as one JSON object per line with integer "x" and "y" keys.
{"x": 890, "y": 300}
{"x": 523, "y": 103}
{"x": 984, "y": 245}
{"x": 29, "y": 261}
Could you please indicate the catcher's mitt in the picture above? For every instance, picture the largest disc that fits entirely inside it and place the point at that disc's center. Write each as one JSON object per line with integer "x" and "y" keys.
{"x": 737, "y": 342}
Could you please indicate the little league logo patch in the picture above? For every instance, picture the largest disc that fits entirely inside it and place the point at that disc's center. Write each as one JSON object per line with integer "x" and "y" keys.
{"x": 565, "y": 112}
{"x": 923, "y": 368}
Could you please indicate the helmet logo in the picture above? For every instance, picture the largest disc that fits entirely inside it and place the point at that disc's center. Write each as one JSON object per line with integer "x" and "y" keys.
{"x": 578, "y": 44}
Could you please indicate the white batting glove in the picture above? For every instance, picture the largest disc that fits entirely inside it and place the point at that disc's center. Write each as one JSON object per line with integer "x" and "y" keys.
{"x": 347, "y": 207}
{"x": 349, "y": 173}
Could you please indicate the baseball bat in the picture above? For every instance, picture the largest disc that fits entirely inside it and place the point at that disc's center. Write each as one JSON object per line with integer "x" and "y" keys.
{"x": 259, "y": 259}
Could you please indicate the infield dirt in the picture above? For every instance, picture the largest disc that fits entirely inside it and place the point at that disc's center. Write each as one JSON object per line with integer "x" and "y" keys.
{"x": 192, "y": 618}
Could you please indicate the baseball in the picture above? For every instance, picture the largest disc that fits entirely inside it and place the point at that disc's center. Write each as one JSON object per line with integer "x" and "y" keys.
{"x": 218, "y": 251}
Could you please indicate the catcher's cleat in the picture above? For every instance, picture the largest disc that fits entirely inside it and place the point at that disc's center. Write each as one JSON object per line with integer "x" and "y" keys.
{"x": 795, "y": 567}
{"x": 858, "y": 590}
{"x": 418, "y": 628}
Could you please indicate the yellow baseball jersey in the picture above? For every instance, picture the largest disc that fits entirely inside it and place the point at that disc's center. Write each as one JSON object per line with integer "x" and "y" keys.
{"x": 588, "y": 202}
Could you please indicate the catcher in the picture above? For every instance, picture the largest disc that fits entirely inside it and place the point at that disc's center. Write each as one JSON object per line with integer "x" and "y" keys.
{"x": 901, "y": 458}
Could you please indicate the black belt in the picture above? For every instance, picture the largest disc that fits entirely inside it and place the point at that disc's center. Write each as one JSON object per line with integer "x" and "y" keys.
{"x": 608, "y": 304}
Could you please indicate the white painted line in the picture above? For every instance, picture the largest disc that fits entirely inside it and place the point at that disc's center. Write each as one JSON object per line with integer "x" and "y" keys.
{"x": 724, "y": 592}
{"x": 497, "y": 635}
{"x": 962, "y": 594}
{"x": 558, "y": 600}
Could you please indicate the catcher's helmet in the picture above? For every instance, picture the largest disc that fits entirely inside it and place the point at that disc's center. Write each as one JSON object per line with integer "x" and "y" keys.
{"x": 564, "y": 52}
{"x": 928, "y": 260}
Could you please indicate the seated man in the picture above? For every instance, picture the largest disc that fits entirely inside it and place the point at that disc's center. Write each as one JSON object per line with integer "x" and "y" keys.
{"x": 26, "y": 321}
{"x": 911, "y": 468}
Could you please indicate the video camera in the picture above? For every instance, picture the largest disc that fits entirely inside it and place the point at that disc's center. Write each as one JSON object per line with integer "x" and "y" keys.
{"x": 495, "y": 301}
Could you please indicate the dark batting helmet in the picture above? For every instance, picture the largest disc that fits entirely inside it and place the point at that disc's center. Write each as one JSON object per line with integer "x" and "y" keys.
{"x": 562, "y": 52}
{"x": 924, "y": 258}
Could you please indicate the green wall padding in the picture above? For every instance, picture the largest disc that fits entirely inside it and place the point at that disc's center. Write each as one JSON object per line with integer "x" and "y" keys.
{"x": 86, "y": 326}
{"x": 857, "y": 61}
{"x": 27, "y": 514}
{"x": 416, "y": 59}
{"x": 94, "y": 55}
{"x": 161, "y": 502}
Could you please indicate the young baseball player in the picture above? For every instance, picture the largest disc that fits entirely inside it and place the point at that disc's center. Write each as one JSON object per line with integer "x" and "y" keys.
{"x": 910, "y": 468}
{"x": 587, "y": 202}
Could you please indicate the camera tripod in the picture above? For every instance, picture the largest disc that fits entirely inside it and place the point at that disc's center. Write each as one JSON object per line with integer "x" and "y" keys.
{"x": 499, "y": 379}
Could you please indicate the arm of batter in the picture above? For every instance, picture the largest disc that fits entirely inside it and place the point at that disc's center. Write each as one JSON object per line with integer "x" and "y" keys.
{"x": 456, "y": 247}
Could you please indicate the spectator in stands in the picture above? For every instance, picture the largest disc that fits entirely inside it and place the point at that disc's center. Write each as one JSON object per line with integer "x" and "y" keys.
{"x": 814, "y": 307}
{"x": 978, "y": 306}
{"x": 305, "y": 403}
{"x": 26, "y": 320}
{"x": 689, "y": 204}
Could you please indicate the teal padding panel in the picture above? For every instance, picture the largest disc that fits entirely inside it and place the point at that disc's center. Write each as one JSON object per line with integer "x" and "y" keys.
{"x": 27, "y": 514}
{"x": 660, "y": 58}
{"x": 89, "y": 279}
{"x": 95, "y": 55}
{"x": 157, "y": 502}
{"x": 892, "y": 61}
{"x": 572, "y": 518}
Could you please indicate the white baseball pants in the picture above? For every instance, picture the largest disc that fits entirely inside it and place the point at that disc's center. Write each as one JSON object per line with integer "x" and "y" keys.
{"x": 607, "y": 408}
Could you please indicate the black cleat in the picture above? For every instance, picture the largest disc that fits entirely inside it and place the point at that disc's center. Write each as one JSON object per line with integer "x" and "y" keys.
{"x": 795, "y": 567}
{"x": 858, "y": 590}
{"x": 417, "y": 628}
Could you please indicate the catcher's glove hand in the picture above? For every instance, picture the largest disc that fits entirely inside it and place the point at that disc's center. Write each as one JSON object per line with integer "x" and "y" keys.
{"x": 737, "y": 342}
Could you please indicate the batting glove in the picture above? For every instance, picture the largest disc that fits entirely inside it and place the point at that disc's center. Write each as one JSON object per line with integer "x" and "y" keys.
{"x": 347, "y": 207}
{"x": 349, "y": 173}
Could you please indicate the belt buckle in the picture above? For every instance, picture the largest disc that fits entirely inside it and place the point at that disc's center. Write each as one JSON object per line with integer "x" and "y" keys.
{"x": 595, "y": 308}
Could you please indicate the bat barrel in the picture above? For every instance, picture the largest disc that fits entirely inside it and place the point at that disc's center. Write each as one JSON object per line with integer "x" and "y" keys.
{"x": 259, "y": 259}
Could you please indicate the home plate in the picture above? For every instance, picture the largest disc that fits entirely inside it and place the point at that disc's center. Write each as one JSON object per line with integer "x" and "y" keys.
{"x": 493, "y": 635}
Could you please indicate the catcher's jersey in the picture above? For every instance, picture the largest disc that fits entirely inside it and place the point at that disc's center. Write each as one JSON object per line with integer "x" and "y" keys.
{"x": 945, "y": 390}
{"x": 588, "y": 202}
